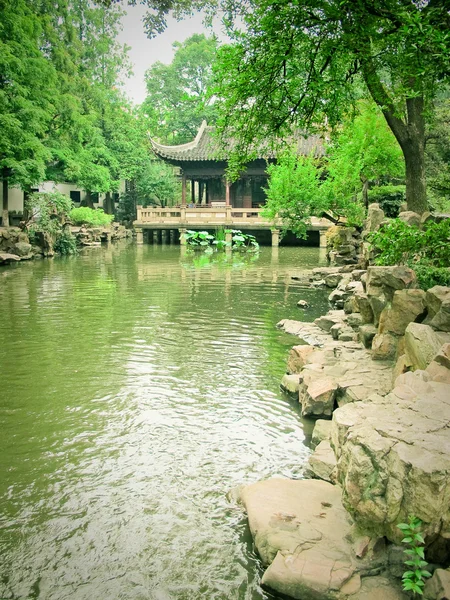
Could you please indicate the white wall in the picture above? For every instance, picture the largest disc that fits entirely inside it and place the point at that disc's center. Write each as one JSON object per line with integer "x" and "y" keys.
{"x": 16, "y": 194}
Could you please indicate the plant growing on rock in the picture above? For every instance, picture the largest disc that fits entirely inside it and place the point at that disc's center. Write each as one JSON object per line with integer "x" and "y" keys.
{"x": 425, "y": 250}
{"x": 413, "y": 578}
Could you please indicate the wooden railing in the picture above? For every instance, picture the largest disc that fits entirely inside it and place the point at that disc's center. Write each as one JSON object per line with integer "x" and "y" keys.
{"x": 198, "y": 215}
{"x": 210, "y": 215}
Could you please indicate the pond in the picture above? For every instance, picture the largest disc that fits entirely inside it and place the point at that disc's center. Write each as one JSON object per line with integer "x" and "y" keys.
{"x": 139, "y": 385}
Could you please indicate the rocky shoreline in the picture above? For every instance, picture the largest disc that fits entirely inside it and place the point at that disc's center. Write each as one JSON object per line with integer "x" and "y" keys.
{"x": 16, "y": 245}
{"x": 375, "y": 373}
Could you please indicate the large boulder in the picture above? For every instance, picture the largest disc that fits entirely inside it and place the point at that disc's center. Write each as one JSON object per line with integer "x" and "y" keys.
{"x": 383, "y": 282}
{"x": 322, "y": 463}
{"x": 422, "y": 344}
{"x": 22, "y": 249}
{"x": 439, "y": 367}
{"x": 411, "y": 218}
{"x": 438, "y": 587}
{"x": 375, "y": 216}
{"x": 317, "y": 397}
{"x": 303, "y": 534}
{"x": 393, "y": 457}
{"x": 297, "y": 359}
{"x": 321, "y": 431}
{"x": 407, "y": 306}
{"x": 438, "y": 304}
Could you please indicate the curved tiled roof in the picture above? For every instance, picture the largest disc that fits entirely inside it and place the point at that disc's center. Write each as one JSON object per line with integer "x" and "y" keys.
{"x": 207, "y": 147}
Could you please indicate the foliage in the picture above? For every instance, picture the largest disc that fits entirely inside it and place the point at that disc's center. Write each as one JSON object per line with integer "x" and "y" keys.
{"x": 89, "y": 216}
{"x": 205, "y": 240}
{"x": 306, "y": 63}
{"x": 389, "y": 197}
{"x": 198, "y": 238}
{"x": 426, "y": 250}
{"x": 428, "y": 276}
{"x": 362, "y": 151}
{"x": 177, "y": 100}
{"x": 47, "y": 211}
{"x": 437, "y": 154}
{"x": 156, "y": 184}
{"x": 65, "y": 243}
{"x": 294, "y": 192}
{"x": 242, "y": 241}
{"x": 413, "y": 578}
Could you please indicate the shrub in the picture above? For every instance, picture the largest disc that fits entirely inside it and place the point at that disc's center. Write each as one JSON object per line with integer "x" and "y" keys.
{"x": 65, "y": 243}
{"x": 90, "y": 216}
{"x": 426, "y": 250}
{"x": 389, "y": 197}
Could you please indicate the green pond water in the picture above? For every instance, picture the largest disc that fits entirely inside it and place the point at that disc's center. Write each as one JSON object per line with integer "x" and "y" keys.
{"x": 138, "y": 386}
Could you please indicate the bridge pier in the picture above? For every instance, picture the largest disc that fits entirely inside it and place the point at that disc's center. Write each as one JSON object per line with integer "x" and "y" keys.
{"x": 323, "y": 239}
{"x": 139, "y": 236}
{"x": 164, "y": 236}
{"x": 275, "y": 238}
{"x": 182, "y": 238}
{"x": 155, "y": 236}
{"x": 172, "y": 236}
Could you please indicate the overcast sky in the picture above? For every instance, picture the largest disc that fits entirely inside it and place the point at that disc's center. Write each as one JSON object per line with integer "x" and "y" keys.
{"x": 145, "y": 52}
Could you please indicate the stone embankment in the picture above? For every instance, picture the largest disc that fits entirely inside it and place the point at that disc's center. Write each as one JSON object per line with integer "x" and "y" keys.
{"x": 375, "y": 373}
{"x": 15, "y": 244}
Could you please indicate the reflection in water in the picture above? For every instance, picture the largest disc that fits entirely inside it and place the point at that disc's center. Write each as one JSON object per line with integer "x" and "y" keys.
{"x": 140, "y": 385}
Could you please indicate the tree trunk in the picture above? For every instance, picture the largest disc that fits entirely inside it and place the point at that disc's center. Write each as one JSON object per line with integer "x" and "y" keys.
{"x": 365, "y": 189}
{"x": 5, "y": 197}
{"x": 107, "y": 204}
{"x": 410, "y": 134}
{"x": 87, "y": 200}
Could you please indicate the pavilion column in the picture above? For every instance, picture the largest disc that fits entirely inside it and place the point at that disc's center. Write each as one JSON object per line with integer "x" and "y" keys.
{"x": 227, "y": 192}
{"x": 200, "y": 192}
{"x": 193, "y": 191}
{"x": 183, "y": 190}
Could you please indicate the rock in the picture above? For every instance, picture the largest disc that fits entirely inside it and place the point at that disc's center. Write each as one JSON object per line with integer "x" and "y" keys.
{"x": 380, "y": 588}
{"x": 302, "y": 304}
{"x": 298, "y": 357}
{"x": 422, "y": 344}
{"x": 346, "y": 334}
{"x": 333, "y": 279}
{"x": 290, "y": 384}
{"x": 327, "y": 321}
{"x": 6, "y": 257}
{"x": 394, "y": 457}
{"x": 401, "y": 366}
{"x": 321, "y": 463}
{"x": 434, "y": 298}
{"x": 336, "y": 330}
{"x": 407, "y": 306}
{"x": 317, "y": 398}
{"x": 319, "y": 273}
{"x": 389, "y": 279}
{"x": 384, "y": 346}
{"x": 410, "y": 218}
{"x": 364, "y": 308}
{"x": 308, "y": 332}
{"x": 321, "y": 432}
{"x": 22, "y": 249}
{"x": 366, "y": 334}
{"x": 355, "y": 320}
{"x": 438, "y": 587}
{"x": 302, "y": 532}
{"x": 382, "y": 282}
{"x": 441, "y": 321}
{"x": 375, "y": 216}
{"x": 357, "y": 274}
{"x": 439, "y": 368}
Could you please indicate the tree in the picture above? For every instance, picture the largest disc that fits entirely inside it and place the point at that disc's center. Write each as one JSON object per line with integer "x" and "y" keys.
{"x": 177, "y": 100}
{"x": 27, "y": 94}
{"x": 157, "y": 183}
{"x": 437, "y": 154}
{"x": 362, "y": 151}
{"x": 295, "y": 63}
